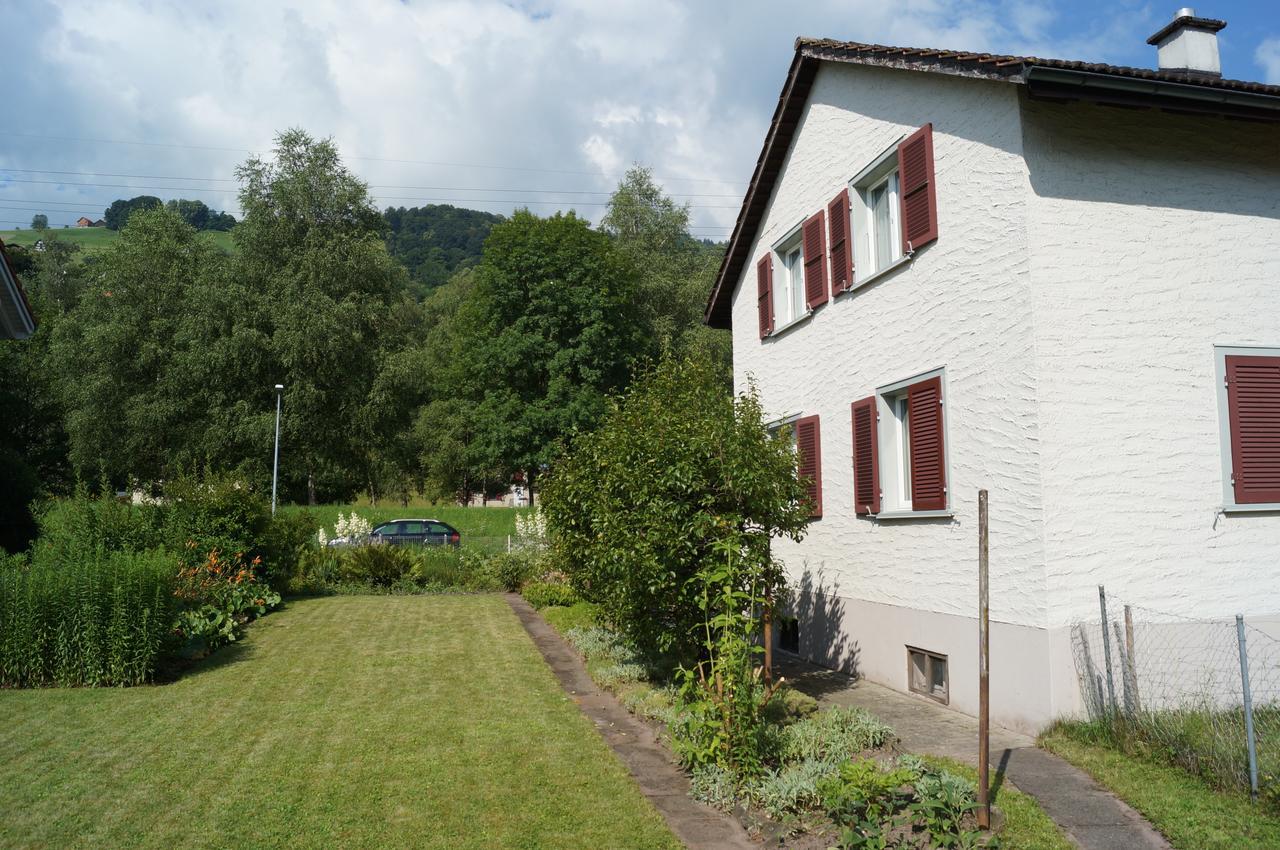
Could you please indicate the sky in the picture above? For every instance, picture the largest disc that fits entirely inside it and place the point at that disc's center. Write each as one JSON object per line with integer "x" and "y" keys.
{"x": 479, "y": 103}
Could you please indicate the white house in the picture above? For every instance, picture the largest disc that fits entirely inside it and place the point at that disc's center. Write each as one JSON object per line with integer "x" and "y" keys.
{"x": 1055, "y": 280}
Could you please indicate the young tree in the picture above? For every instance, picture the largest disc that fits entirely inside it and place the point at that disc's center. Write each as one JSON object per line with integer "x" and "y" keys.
{"x": 676, "y": 270}
{"x": 643, "y": 508}
{"x": 39, "y": 221}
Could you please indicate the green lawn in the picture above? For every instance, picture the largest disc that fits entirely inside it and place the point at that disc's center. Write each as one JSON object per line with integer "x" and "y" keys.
{"x": 93, "y": 240}
{"x": 485, "y": 528}
{"x": 340, "y": 722}
{"x": 1191, "y": 815}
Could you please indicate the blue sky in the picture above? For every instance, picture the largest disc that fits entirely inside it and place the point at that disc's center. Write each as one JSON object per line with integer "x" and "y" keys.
{"x": 482, "y": 103}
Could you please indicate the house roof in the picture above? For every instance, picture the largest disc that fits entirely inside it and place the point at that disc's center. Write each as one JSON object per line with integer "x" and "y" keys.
{"x": 1047, "y": 79}
{"x": 16, "y": 319}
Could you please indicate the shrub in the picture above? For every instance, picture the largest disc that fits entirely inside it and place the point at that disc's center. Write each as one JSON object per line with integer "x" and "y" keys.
{"x": 510, "y": 570}
{"x": 542, "y": 594}
{"x": 833, "y": 735}
{"x": 789, "y": 705}
{"x": 287, "y": 539}
{"x": 579, "y": 615}
{"x": 715, "y": 786}
{"x": 221, "y": 595}
{"x": 99, "y": 618}
{"x": 637, "y": 506}
{"x": 380, "y": 565}
{"x": 793, "y": 788}
{"x": 82, "y": 525}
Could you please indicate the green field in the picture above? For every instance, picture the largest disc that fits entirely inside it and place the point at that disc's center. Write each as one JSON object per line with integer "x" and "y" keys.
{"x": 93, "y": 240}
{"x": 387, "y": 721}
{"x": 483, "y": 528}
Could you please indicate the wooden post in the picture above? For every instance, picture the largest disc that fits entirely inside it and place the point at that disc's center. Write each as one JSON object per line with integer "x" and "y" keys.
{"x": 768, "y": 640}
{"x": 1133, "y": 662}
{"x": 984, "y": 648}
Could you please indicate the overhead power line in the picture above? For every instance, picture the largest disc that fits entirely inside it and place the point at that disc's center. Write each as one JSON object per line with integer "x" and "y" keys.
{"x": 435, "y": 163}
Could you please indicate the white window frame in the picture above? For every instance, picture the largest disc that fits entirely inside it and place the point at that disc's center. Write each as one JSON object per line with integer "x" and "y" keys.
{"x": 788, "y": 283}
{"x": 893, "y": 450}
{"x": 788, "y": 421}
{"x": 1220, "y": 354}
{"x": 866, "y": 266}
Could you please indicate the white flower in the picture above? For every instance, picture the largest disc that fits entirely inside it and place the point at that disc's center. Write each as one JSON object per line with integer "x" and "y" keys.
{"x": 322, "y": 537}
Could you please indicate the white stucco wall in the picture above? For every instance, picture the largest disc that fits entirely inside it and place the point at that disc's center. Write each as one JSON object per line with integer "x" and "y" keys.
{"x": 1154, "y": 237}
{"x": 962, "y": 304}
{"x": 1088, "y": 261}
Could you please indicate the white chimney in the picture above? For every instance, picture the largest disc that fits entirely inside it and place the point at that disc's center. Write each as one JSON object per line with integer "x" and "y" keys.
{"x": 1189, "y": 45}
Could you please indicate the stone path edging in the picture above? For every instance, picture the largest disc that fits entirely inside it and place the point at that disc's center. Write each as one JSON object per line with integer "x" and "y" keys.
{"x": 1091, "y": 816}
{"x": 700, "y": 827}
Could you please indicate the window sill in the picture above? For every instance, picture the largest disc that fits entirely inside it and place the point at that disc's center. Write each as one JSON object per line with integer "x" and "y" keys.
{"x": 860, "y": 282}
{"x": 914, "y": 514}
{"x": 1259, "y": 508}
{"x": 799, "y": 320}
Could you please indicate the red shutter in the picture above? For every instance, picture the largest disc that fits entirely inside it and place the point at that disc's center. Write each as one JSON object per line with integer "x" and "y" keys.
{"x": 809, "y": 452}
{"x": 1253, "y": 402}
{"x": 841, "y": 243}
{"x": 866, "y": 467}
{"x": 815, "y": 261}
{"x": 917, "y": 197}
{"x": 764, "y": 293}
{"x": 928, "y": 456}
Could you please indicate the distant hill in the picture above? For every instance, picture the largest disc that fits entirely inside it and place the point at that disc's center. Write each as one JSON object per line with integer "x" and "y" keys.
{"x": 435, "y": 241}
{"x": 92, "y": 240}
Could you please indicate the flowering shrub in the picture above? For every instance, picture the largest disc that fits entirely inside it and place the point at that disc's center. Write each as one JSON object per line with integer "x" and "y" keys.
{"x": 531, "y": 531}
{"x": 220, "y": 596}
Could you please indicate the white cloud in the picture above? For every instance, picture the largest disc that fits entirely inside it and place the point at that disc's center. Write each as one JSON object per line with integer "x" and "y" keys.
{"x": 1268, "y": 56}
{"x": 535, "y": 96}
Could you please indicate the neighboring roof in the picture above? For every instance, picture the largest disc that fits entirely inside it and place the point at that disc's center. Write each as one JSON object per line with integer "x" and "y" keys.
{"x": 1053, "y": 79}
{"x": 16, "y": 319}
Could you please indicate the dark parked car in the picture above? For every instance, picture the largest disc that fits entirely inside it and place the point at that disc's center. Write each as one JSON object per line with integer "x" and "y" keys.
{"x": 423, "y": 532}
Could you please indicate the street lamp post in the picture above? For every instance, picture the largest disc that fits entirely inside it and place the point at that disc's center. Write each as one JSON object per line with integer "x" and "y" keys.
{"x": 275, "y": 466}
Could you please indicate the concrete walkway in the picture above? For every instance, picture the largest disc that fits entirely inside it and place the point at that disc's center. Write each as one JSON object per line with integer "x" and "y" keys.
{"x": 661, "y": 781}
{"x": 1092, "y": 817}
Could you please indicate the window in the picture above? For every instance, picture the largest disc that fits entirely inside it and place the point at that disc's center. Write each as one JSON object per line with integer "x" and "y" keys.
{"x": 899, "y": 449}
{"x": 789, "y": 634}
{"x": 1249, "y": 423}
{"x": 927, "y": 674}
{"x": 894, "y": 210}
{"x": 788, "y": 282}
{"x": 806, "y": 441}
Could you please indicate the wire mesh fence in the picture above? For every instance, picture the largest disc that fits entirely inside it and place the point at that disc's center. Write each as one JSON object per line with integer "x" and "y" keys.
{"x": 1201, "y": 693}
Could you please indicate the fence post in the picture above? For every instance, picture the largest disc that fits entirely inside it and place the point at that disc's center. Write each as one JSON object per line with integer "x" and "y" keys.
{"x": 984, "y": 668}
{"x": 1248, "y": 709}
{"x": 1106, "y": 649}
{"x": 1133, "y": 663}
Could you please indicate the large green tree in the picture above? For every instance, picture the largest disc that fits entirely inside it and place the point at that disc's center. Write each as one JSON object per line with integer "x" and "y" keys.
{"x": 311, "y": 241}
{"x": 549, "y": 330}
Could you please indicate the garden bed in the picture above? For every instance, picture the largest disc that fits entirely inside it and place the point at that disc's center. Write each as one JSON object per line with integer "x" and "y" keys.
{"x": 832, "y": 777}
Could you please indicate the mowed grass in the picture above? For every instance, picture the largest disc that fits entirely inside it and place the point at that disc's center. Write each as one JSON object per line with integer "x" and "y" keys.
{"x": 94, "y": 240}
{"x": 340, "y": 722}
{"x": 1192, "y": 815}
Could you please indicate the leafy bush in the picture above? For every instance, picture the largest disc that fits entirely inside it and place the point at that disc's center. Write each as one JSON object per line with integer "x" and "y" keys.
{"x": 96, "y": 618}
{"x": 789, "y": 705}
{"x": 542, "y": 594}
{"x": 793, "y": 788}
{"x": 286, "y": 541}
{"x": 677, "y": 465}
{"x": 833, "y": 735}
{"x": 715, "y": 786}
{"x": 863, "y": 796}
{"x": 510, "y": 570}
{"x": 579, "y": 615}
{"x": 379, "y": 565}
{"x": 596, "y": 642}
{"x": 221, "y": 595}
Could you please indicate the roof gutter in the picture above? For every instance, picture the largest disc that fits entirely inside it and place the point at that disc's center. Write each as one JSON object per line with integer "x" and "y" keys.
{"x": 1066, "y": 84}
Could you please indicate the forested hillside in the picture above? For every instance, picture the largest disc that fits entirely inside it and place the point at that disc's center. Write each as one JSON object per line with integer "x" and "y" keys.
{"x": 435, "y": 241}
